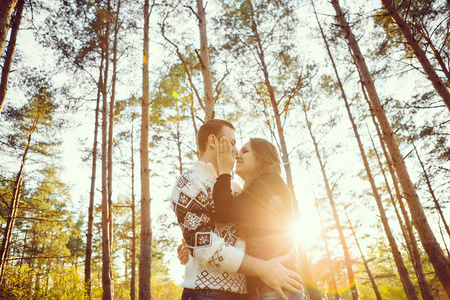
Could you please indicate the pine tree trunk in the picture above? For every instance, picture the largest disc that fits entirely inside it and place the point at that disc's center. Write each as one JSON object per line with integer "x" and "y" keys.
{"x": 366, "y": 265}
{"x": 403, "y": 272}
{"x": 438, "y": 57}
{"x": 410, "y": 239}
{"x": 6, "y": 9}
{"x": 106, "y": 247}
{"x": 439, "y": 86}
{"x": 205, "y": 62}
{"x": 348, "y": 264}
{"x": 89, "y": 236}
{"x": 110, "y": 134}
{"x": 430, "y": 189}
{"x": 10, "y": 52}
{"x": 133, "y": 225}
{"x": 146, "y": 233}
{"x": 335, "y": 290}
{"x": 429, "y": 242}
{"x": 14, "y": 205}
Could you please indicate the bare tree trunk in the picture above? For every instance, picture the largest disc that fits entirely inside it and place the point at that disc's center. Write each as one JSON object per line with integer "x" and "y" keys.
{"x": 330, "y": 261}
{"x": 443, "y": 239}
{"x": 10, "y": 52}
{"x": 366, "y": 265}
{"x": 403, "y": 272}
{"x": 106, "y": 247}
{"x": 89, "y": 236}
{"x": 440, "y": 87}
{"x": 110, "y": 136}
{"x": 429, "y": 242}
{"x": 430, "y": 189}
{"x": 408, "y": 234}
{"x": 348, "y": 264}
{"x": 205, "y": 62}
{"x": 13, "y": 206}
{"x": 437, "y": 55}
{"x": 146, "y": 232}
{"x": 407, "y": 229}
{"x": 6, "y": 9}
{"x": 177, "y": 139}
{"x": 133, "y": 224}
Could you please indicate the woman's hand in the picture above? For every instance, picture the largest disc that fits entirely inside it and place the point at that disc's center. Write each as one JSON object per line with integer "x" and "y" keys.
{"x": 183, "y": 253}
{"x": 225, "y": 156}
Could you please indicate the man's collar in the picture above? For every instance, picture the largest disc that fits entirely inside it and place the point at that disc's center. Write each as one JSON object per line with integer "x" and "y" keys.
{"x": 205, "y": 168}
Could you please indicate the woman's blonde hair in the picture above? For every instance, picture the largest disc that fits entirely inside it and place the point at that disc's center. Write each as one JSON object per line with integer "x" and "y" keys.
{"x": 267, "y": 156}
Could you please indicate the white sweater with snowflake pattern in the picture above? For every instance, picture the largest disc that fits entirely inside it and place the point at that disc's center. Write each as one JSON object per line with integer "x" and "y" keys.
{"x": 215, "y": 251}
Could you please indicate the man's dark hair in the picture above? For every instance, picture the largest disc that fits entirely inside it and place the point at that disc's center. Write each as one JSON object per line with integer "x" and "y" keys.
{"x": 213, "y": 126}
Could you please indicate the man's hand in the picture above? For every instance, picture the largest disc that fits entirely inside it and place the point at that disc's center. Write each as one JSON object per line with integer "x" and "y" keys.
{"x": 278, "y": 277}
{"x": 273, "y": 273}
{"x": 225, "y": 156}
{"x": 183, "y": 253}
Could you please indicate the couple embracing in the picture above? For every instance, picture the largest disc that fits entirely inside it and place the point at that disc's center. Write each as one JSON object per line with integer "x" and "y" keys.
{"x": 238, "y": 242}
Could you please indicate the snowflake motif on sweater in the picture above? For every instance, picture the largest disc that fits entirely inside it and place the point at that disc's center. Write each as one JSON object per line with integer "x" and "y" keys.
{"x": 216, "y": 250}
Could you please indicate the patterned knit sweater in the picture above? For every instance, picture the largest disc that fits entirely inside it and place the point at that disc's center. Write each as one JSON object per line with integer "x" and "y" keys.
{"x": 216, "y": 251}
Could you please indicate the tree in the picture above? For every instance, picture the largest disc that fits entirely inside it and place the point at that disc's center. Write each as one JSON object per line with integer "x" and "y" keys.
{"x": 440, "y": 87}
{"x": 204, "y": 62}
{"x": 366, "y": 265}
{"x": 106, "y": 209}
{"x": 89, "y": 235}
{"x": 429, "y": 242}
{"x": 6, "y": 9}
{"x": 146, "y": 231}
{"x": 39, "y": 111}
{"x": 406, "y": 281}
{"x": 10, "y": 52}
{"x": 339, "y": 227}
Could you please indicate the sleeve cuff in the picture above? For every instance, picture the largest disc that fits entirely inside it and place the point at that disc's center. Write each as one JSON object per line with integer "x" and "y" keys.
{"x": 232, "y": 259}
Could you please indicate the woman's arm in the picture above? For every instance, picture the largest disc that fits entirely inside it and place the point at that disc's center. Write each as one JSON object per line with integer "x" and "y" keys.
{"x": 253, "y": 201}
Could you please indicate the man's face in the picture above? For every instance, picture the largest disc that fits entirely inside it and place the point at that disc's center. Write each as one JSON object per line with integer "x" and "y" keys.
{"x": 230, "y": 135}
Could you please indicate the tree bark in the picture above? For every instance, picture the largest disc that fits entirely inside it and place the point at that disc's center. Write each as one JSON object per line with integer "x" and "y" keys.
{"x": 439, "y": 86}
{"x": 133, "y": 225}
{"x": 111, "y": 131}
{"x": 106, "y": 247}
{"x": 146, "y": 233}
{"x": 429, "y": 242}
{"x": 89, "y": 236}
{"x": 6, "y": 9}
{"x": 10, "y": 52}
{"x": 205, "y": 62}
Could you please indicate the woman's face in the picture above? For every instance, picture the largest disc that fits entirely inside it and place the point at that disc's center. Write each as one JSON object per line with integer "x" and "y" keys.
{"x": 246, "y": 162}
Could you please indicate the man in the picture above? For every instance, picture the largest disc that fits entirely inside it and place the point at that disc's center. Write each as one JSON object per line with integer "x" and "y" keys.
{"x": 218, "y": 264}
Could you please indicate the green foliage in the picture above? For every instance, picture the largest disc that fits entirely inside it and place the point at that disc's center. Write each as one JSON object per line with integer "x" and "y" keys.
{"x": 58, "y": 283}
{"x": 163, "y": 288}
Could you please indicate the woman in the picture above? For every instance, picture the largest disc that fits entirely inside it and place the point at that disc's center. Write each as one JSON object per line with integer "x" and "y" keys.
{"x": 263, "y": 211}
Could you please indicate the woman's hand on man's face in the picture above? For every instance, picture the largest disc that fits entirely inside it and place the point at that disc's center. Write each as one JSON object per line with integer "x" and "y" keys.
{"x": 225, "y": 156}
